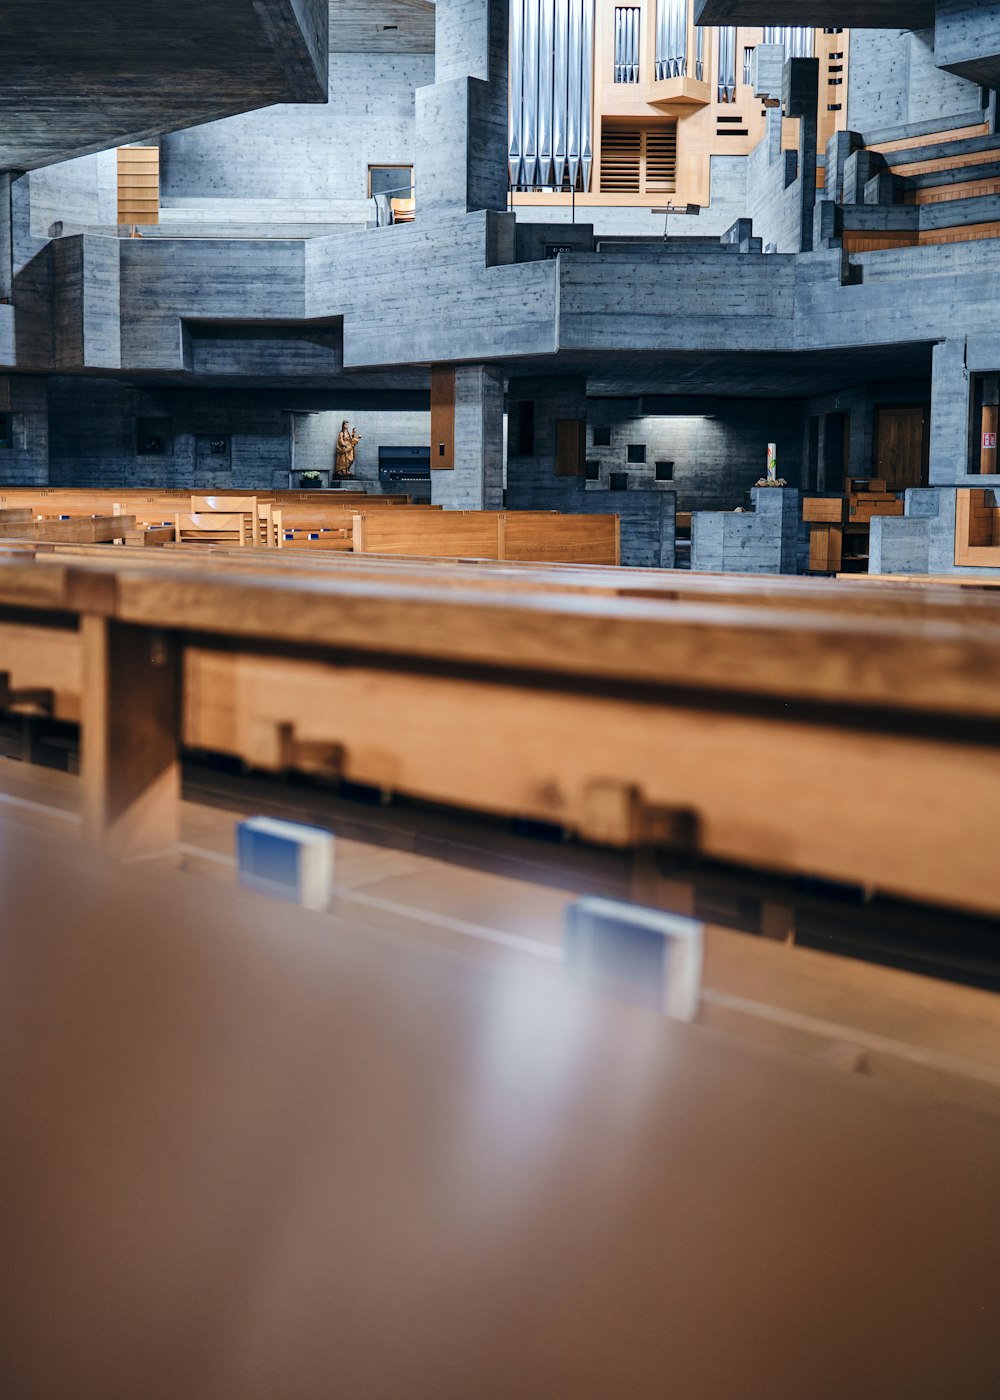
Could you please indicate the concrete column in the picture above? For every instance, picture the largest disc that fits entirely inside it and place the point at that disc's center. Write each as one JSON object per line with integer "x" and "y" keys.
{"x": 476, "y": 482}
{"x": 949, "y": 448}
{"x": 462, "y": 119}
{"x": 6, "y": 237}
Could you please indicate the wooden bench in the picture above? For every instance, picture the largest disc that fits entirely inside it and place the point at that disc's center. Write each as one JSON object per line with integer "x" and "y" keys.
{"x": 529, "y": 535}
{"x": 80, "y": 529}
{"x": 630, "y": 721}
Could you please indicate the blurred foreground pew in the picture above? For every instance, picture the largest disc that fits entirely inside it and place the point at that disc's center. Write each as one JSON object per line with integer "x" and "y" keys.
{"x": 277, "y": 1158}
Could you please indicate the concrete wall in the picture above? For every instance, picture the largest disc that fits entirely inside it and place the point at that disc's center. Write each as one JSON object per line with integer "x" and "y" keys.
{"x": 300, "y": 163}
{"x": 717, "y": 459}
{"x": 79, "y": 194}
{"x": 647, "y": 515}
{"x": 93, "y": 433}
{"x": 774, "y": 193}
{"x": 764, "y": 540}
{"x": 893, "y": 80}
{"x": 26, "y": 462}
{"x": 93, "y": 437}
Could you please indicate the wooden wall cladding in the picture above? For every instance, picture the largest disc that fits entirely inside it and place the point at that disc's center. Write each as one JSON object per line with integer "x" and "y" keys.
{"x": 443, "y": 419}
{"x": 977, "y": 530}
{"x": 571, "y": 447}
{"x": 138, "y": 185}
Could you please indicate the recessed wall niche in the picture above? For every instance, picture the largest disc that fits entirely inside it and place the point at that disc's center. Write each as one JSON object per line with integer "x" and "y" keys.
{"x": 154, "y": 437}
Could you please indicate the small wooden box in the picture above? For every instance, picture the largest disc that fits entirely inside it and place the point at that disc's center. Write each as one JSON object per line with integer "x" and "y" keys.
{"x": 827, "y": 510}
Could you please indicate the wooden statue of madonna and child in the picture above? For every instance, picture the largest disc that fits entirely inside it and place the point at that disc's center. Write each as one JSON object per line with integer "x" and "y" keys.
{"x": 347, "y": 446}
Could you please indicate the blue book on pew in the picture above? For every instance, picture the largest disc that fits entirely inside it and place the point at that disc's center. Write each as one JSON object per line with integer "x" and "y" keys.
{"x": 287, "y": 860}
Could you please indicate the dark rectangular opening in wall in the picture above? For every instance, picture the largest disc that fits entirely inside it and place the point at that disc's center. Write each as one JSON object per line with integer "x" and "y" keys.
{"x": 618, "y": 481}
{"x": 571, "y": 443}
{"x": 526, "y": 428}
{"x": 602, "y": 435}
{"x": 154, "y": 436}
{"x": 664, "y": 471}
{"x": 812, "y": 459}
{"x": 593, "y": 472}
{"x": 6, "y": 432}
{"x": 635, "y": 452}
{"x": 985, "y": 405}
{"x": 836, "y": 450}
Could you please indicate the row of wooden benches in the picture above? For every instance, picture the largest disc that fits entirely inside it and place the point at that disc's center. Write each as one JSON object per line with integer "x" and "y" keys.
{"x": 381, "y": 525}
{"x": 839, "y": 730}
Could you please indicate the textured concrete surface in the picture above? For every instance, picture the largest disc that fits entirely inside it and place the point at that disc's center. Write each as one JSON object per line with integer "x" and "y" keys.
{"x": 78, "y": 78}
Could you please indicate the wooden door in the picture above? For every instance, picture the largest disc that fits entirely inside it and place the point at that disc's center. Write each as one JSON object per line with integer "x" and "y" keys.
{"x": 442, "y": 418}
{"x": 901, "y": 445}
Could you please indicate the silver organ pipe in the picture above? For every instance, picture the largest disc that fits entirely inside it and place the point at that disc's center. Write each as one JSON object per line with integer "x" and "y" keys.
{"x": 727, "y": 63}
{"x": 796, "y": 40}
{"x": 514, "y": 163}
{"x": 586, "y": 52}
{"x": 699, "y": 54}
{"x": 560, "y": 90}
{"x": 551, "y": 89}
{"x": 627, "y": 44}
{"x": 546, "y": 85}
{"x": 529, "y": 98}
{"x": 671, "y": 39}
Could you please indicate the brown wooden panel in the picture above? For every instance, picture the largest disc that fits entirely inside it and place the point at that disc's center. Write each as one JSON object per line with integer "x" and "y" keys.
{"x": 571, "y": 447}
{"x": 931, "y": 138}
{"x": 944, "y": 194}
{"x": 826, "y": 510}
{"x": 138, "y": 185}
{"x": 901, "y": 445}
{"x": 988, "y": 440}
{"x": 446, "y": 534}
{"x": 963, "y": 233}
{"x": 571, "y": 539}
{"x": 825, "y": 548}
{"x": 856, "y": 241}
{"x": 442, "y": 418}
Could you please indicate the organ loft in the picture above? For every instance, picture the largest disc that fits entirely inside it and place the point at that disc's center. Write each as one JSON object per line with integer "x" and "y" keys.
{"x": 499, "y": 673}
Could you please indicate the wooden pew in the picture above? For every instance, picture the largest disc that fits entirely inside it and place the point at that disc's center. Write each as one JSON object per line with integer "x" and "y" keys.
{"x": 724, "y": 729}
{"x": 215, "y": 527}
{"x": 77, "y": 529}
{"x": 961, "y": 598}
{"x": 529, "y": 535}
{"x": 439, "y": 1110}
{"x": 446, "y": 534}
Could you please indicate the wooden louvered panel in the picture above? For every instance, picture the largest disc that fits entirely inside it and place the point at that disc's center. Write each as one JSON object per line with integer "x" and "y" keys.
{"x": 639, "y": 160}
{"x": 621, "y": 158}
{"x": 138, "y": 185}
{"x": 661, "y": 159}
